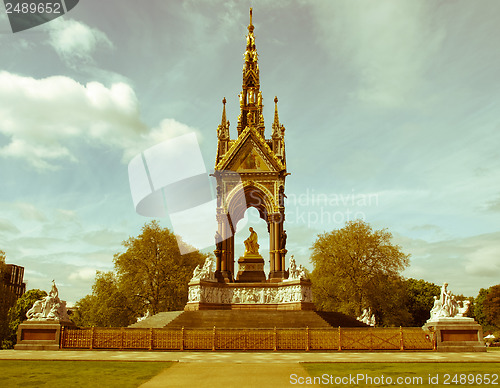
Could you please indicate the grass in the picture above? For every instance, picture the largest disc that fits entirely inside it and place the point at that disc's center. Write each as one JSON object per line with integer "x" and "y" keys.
{"x": 83, "y": 374}
{"x": 415, "y": 374}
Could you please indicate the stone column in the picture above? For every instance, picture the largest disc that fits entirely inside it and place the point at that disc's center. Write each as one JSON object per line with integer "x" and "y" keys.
{"x": 223, "y": 272}
{"x": 277, "y": 255}
{"x": 277, "y": 265}
{"x": 282, "y": 248}
{"x": 271, "y": 247}
{"x": 231, "y": 254}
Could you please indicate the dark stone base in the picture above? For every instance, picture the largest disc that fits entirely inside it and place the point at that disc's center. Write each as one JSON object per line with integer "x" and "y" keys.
{"x": 277, "y": 276}
{"x": 251, "y": 269}
{"x": 40, "y": 335}
{"x": 224, "y": 276}
{"x": 457, "y": 335}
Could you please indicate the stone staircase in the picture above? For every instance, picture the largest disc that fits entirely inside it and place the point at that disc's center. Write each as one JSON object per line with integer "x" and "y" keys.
{"x": 335, "y": 319}
{"x": 248, "y": 319}
{"x": 158, "y": 320}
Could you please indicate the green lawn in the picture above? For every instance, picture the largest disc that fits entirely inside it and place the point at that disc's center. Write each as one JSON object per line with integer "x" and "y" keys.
{"x": 410, "y": 374}
{"x": 83, "y": 374}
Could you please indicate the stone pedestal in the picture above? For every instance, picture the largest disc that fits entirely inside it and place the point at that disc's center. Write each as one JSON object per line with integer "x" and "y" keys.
{"x": 40, "y": 335}
{"x": 456, "y": 334}
{"x": 251, "y": 268}
{"x": 278, "y": 276}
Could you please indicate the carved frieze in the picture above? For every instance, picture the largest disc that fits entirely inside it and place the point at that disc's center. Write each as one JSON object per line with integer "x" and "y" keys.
{"x": 221, "y": 294}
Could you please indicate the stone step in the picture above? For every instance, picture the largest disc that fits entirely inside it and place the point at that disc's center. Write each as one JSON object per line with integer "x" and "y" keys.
{"x": 335, "y": 319}
{"x": 261, "y": 319}
{"x": 158, "y": 320}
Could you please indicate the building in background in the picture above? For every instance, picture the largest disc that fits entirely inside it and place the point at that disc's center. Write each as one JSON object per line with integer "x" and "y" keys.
{"x": 13, "y": 279}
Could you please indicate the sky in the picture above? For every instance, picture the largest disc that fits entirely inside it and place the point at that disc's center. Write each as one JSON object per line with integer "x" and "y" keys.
{"x": 390, "y": 109}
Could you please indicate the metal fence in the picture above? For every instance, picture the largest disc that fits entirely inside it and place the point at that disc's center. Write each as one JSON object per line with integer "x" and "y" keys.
{"x": 407, "y": 338}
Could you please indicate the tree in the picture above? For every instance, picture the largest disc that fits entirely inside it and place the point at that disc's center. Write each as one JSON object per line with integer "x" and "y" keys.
{"x": 107, "y": 306}
{"x": 2, "y": 261}
{"x": 491, "y": 306}
{"x": 478, "y": 311}
{"x": 355, "y": 268}
{"x": 153, "y": 272}
{"x": 17, "y": 314}
{"x": 420, "y": 299}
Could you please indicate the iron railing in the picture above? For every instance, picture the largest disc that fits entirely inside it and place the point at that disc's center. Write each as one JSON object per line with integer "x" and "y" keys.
{"x": 303, "y": 339}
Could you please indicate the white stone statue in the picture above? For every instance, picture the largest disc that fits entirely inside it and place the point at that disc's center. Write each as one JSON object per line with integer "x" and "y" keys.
{"x": 446, "y": 306}
{"x": 463, "y": 310}
{"x": 367, "y": 317}
{"x": 296, "y": 272}
{"x": 147, "y": 315}
{"x": 49, "y": 308}
{"x": 206, "y": 272}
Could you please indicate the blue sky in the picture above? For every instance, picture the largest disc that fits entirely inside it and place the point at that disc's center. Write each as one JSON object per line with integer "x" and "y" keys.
{"x": 390, "y": 108}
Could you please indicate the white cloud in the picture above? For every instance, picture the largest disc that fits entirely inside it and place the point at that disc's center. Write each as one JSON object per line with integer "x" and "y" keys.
{"x": 39, "y": 155}
{"x": 27, "y": 211}
{"x": 168, "y": 128}
{"x": 83, "y": 274}
{"x": 74, "y": 41}
{"x": 42, "y": 118}
{"x": 8, "y": 227}
{"x": 387, "y": 43}
{"x": 484, "y": 260}
{"x": 467, "y": 263}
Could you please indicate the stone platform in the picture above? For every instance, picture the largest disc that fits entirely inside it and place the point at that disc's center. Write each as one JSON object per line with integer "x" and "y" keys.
{"x": 285, "y": 295}
{"x": 40, "y": 335}
{"x": 457, "y": 334}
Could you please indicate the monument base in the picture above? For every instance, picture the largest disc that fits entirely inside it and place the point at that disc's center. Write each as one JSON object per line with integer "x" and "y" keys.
{"x": 456, "y": 334}
{"x": 40, "y": 335}
{"x": 251, "y": 268}
{"x": 286, "y": 295}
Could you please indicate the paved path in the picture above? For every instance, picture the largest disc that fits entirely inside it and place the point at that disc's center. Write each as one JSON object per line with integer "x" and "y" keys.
{"x": 241, "y": 369}
{"x": 248, "y": 357}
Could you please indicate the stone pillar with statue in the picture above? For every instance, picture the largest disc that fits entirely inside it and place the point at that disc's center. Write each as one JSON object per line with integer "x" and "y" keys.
{"x": 452, "y": 330}
{"x": 251, "y": 264}
{"x": 46, "y": 318}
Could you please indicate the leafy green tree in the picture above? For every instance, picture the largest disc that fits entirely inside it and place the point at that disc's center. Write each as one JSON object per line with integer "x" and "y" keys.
{"x": 17, "y": 314}
{"x": 7, "y": 300}
{"x": 420, "y": 299}
{"x": 107, "y": 306}
{"x": 2, "y": 261}
{"x": 356, "y": 267}
{"x": 478, "y": 309}
{"x": 84, "y": 312}
{"x": 389, "y": 301}
{"x": 491, "y": 306}
{"x": 151, "y": 274}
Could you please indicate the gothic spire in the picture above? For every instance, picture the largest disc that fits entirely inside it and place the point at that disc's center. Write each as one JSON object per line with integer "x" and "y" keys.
{"x": 223, "y": 129}
{"x": 223, "y": 121}
{"x": 250, "y": 96}
{"x": 250, "y": 26}
{"x": 276, "y": 122}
